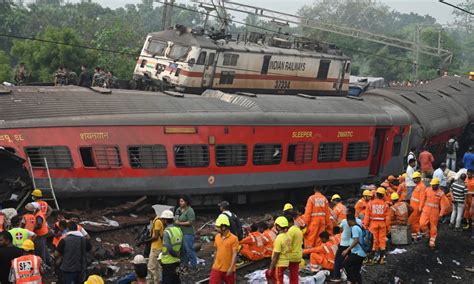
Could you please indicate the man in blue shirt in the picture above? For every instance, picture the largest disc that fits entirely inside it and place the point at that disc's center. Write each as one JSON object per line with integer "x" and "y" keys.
{"x": 356, "y": 254}
{"x": 468, "y": 159}
{"x": 345, "y": 243}
{"x": 439, "y": 174}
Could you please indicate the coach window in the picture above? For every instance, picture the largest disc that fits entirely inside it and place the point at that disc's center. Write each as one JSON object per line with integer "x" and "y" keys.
{"x": 227, "y": 78}
{"x": 210, "y": 58}
{"x": 231, "y": 155}
{"x": 267, "y": 154}
{"x": 230, "y": 59}
{"x": 330, "y": 152}
{"x": 358, "y": 151}
{"x": 265, "y": 64}
{"x": 191, "y": 156}
{"x": 300, "y": 153}
{"x": 202, "y": 58}
{"x": 57, "y": 157}
{"x": 397, "y": 145}
{"x": 323, "y": 69}
{"x": 147, "y": 156}
{"x": 101, "y": 156}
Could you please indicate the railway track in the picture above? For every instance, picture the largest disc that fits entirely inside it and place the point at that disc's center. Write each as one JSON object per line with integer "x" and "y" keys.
{"x": 244, "y": 268}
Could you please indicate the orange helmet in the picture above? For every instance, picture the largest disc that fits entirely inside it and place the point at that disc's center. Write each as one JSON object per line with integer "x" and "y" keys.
{"x": 391, "y": 178}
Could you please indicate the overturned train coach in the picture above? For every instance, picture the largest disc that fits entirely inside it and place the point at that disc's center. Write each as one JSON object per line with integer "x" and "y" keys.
{"x": 192, "y": 62}
{"x": 168, "y": 143}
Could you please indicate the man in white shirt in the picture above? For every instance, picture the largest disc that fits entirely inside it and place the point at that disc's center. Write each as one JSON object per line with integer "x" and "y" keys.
{"x": 410, "y": 156}
{"x": 409, "y": 181}
{"x": 439, "y": 174}
{"x": 452, "y": 148}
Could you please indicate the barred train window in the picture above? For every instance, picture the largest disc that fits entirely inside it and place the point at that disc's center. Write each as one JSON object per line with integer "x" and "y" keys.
{"x": 231, "y": 155}
{"x": 300, "y": 153}
{"x": 267, "y": 154}
{"x": 397, "y": 145}
{"x": 57, "y": 157}
{"x": 147, "y": 156}
{"x": 191, "y": 156}
{"x": 330, "y": 152}
{"x": 230, "y": 59}
{"x": 358, "y": 151}
{"x": 101, "y": 156}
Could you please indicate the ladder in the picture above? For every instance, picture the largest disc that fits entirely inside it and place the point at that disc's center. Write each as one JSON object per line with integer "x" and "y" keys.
{"x": 50, "y": 183}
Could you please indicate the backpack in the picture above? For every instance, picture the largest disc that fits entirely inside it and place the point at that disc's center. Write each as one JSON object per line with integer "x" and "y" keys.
{"x": 450, "y": 146}
{"x": 367, "y": 239}
{"x": 235, "y": 226}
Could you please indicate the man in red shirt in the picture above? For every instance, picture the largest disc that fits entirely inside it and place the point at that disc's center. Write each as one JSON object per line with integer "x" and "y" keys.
{"x": 426, "y": 163}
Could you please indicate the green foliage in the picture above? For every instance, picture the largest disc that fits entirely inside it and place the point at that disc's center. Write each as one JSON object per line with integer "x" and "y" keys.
{"x": 5, "y": 69}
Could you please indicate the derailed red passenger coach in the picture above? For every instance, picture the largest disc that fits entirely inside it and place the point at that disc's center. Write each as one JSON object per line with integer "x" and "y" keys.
{"x": 133, "y": 142}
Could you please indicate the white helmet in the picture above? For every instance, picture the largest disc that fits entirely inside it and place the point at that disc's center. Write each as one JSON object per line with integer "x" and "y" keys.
{"x": 167, "y": 214}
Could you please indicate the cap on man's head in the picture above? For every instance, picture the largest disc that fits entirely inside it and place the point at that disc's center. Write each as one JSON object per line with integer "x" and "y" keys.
{"x": 139, "y": 259}
{"x": 224, "y": 204}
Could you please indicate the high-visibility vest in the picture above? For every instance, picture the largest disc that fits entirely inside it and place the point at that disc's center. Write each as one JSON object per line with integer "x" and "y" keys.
{"x": 27, "y": 269}
{"x": 43, "y": 230}
{"x": 377, "y": 210}
{"x": 43, "y": 206}
{"x": 30, "y": 222}
{"x": 19, "y": 235}
{"x": 175, "y": 236}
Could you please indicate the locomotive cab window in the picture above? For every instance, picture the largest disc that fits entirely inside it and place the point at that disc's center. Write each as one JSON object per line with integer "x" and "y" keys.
{"x": 202, "y": 58}
{"x": 300, "y": 153}
{"x": 156, "y": 47}
{"x": 178, "y": 52}
{"x": 147, "y": 156}
{"x": 191, "y": 156}
{"x": 101, "y": 157}
{"x": 323, "y": 69}
{"x": 397, "y": 145}
{"x": 231, "y": 155}
{"x": 330, "y": 152}
{"x": 230, "y": 59}
{"x": 358, "y": 151}
{"x": 210, "y": 58}
{"x": 57, "y": 157}
{"x": 267, "y": 154}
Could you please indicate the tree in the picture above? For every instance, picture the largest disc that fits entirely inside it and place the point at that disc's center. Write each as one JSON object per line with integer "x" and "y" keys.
{"x": 5, "y": 69}
{"x": 43, "y": 58}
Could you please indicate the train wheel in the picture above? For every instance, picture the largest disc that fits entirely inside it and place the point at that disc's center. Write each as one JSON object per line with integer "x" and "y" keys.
{"x": 133, "y": 84}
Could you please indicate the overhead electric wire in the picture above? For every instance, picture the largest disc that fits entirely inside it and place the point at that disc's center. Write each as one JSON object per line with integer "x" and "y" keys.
{"x": 457, "y": 7}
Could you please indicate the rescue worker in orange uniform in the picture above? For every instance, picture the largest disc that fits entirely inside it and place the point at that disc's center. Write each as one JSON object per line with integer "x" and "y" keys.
{"x": 432, "y": 208}
{"x": 317, "y": 218}
{"x": 253, "y": 246}
{"x": 270, "y": 235}
{"x": 417, "y": 195}
{"x": 467, "y": 203}
{"x": 388, "y": 192}
{"x": 37, "y": 196}
{"x": 340, "y": 211}
{"x": 322, "y": 256}
{"x": 41, "y": 230}
{"x": 390, "y": 183}
{"x": 28, "y": 221}
{"x": 27, "y": 268}
{"x": 377, "y": 219}
{"x": 402, "y": 187}
{"x": 399, "y": 211}
{"x": 362, "y": 204}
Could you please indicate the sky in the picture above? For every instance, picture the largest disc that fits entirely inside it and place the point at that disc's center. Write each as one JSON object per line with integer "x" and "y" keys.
{"x": 441, "y": 12}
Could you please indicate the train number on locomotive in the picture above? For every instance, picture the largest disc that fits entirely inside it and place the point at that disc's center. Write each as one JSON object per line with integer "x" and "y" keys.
{"x": 282, "y": 84}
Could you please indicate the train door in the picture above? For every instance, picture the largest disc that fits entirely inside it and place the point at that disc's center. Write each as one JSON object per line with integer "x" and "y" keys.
{"x": 209, "y": 70}
{"x": 377, "y": 151}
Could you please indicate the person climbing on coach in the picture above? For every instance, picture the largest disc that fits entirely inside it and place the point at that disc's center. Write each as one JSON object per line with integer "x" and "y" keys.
{"x": 281, "y": 248}
{"x": 418, "y": 194}
{"x": 432, "y": 208}
{"x": 27, "y": 269}
{"x": 399, "y": 211}
{"x": 362, "y": 204}
{"x": 226, "y": 247}
{"x": 452, "y": 147}
{"x": 317, "y": 218}
{"x": 377, "y": 219}
{"x": 37, "y": 196}
{"x": 426, "y": 163}
{"x": 340, "y": 211}
{"x": 295, "y": 256}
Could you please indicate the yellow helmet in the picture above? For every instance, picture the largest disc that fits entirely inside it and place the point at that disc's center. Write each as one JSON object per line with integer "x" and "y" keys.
{"x": 434, "y": 181}
{"x": 367, "y": 193}
{"x": 381, "y": 190}
{"x": 282, "y": 222}
{"x": 335, "y": 196}
{"x": 394, "y": 196}
{"x": 94, "y": 279}
{"x": 28, "y": 245}
{"x": 222, "y": 220}
{"x": 37, "y": 193}
{"x": 288, "y": 206}
{"x": 404, "y": 175}
{"x": 416, "y": 175}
